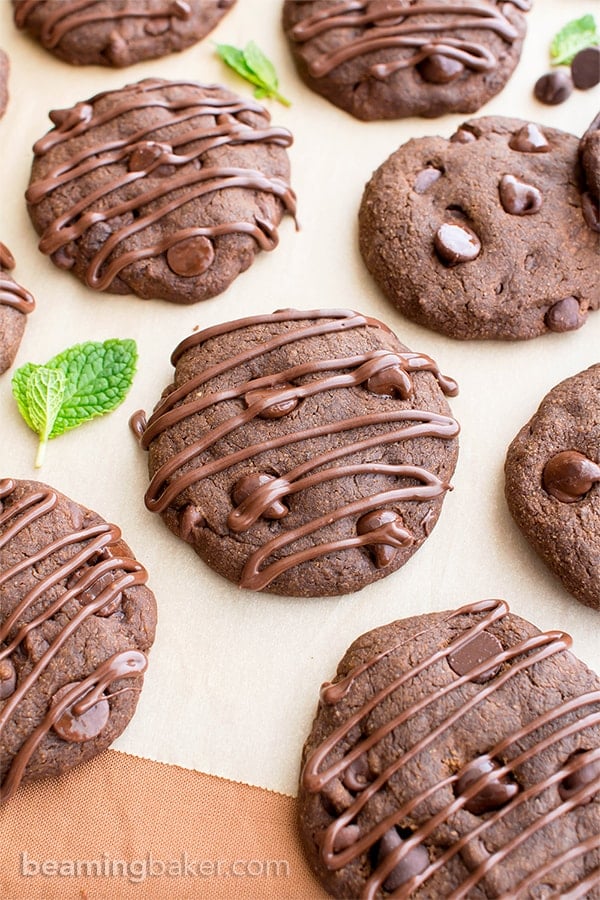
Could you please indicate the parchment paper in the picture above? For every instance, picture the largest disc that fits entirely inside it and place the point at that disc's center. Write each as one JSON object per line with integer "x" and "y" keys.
{"x": 234, "y": 675}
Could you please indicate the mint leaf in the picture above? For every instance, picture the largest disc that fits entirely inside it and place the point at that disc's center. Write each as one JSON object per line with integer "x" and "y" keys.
{"x": 82, "y": 382}
{"x": 44, "y": 393}
{"x": 575, "y": 36}
{"x": 252, "y": 64}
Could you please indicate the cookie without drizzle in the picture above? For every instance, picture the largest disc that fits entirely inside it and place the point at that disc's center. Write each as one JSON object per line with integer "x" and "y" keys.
{"x": 553, "y": 483}
{"x": 306, "y": 452}
{"x": 76, "y": 622}
{"x": 455, "y": 755}
{"x": 484, "y": 235}
{"x": 164, "y": 189}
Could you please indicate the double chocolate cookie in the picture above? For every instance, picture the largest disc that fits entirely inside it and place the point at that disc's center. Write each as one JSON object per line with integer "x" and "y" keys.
{"x": 483, "y": 235}
{"x": 306, "y": 452}
{"x": 117, "y": 32}
{"x": 163, "y": 189}
{"x": 553, "y": 483}
{"x": 456, "y": 755}
{"x": 589, "y": 154}
{"x": 4, "y": 69}
{"x": 385, "y": 59}
{"x": 15, "y": 305}
{"x": 76, "y": 620}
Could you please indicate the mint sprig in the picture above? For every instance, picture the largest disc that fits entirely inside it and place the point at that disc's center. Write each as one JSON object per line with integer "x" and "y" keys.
{"x": 573, "y": 37}
{"x": 82, "y": 382}
{"x": 252, "y": 64}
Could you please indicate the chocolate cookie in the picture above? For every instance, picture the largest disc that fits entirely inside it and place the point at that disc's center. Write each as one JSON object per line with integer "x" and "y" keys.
{"x": 385, "y": 59}
{"x": 15, "y": 304}
{"x": 117, "y": 32}
{"x": 75, "y": 622}
{"x": 305, "y": 452}
{"x": 4, "y": 69}
{"x": 482, "y": 235}
{"x": 589, "y": 154}
{"x": 553, "y": 483}
{"x": 163, "y": 189}
{"x": 456, "y": 754}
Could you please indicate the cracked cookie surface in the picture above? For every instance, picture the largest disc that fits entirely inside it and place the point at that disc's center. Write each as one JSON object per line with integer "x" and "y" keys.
{"x": 467, "y": 236}
{"x": 305, "y": 452}
{"x": 553, "y": 483}
{"x": 455, "y": 754}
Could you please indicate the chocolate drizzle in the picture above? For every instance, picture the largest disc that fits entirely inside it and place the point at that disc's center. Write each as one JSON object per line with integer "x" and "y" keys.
{"x": 135, "y": 158}
{"x": 485, "y": 785}
{"x": 282, "y": 391}
{"x": 380, "y": 26}
{"x": 96, "y": 558}
{"x": 11, "y": 293}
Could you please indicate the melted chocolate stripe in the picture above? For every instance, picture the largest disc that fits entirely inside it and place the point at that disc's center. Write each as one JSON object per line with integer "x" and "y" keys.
{"x": 592, "y": 843}
{"x": 96, "y": 539}
{"x": 12, "y": 294}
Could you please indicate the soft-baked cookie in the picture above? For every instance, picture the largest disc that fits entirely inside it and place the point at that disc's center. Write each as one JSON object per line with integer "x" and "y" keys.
{"x": 76, "y": 620}
{"x": 164, "y": 189}
{"x": 385, "y": 59}
{"x": 589, "y": 154}
{"x": 482, "y": 235}
{"x": 4, "y": 69}
{"x": 15, "y": 305}
{"x": 553, "y": 483}
{"x": 117, "y": 32}
{"x": 306, "y": 452}
{"x": 456, "y": 754}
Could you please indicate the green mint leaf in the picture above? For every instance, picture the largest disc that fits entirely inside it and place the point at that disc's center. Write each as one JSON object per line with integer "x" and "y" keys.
{"x": 252, "y": 64}
{"x": 260, "y": 65}
{"x": 82, "y": 382}
{"x": 575, "y": 36}
{"x": 44, "y": 394}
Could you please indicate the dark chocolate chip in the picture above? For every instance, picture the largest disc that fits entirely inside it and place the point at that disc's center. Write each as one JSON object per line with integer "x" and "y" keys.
{"x": 529, "y": 139}
{"x": 274, "y": 410}
{"x": 493, "y": 795}
{"x": 585, "y": 68}
{"x": 578, "y": 779}
{"x": 591, "y": 211}
{"x": 191, "y": 257}
{"x": 425, "y": 178}
{"x": 8, "y": 678}
{"x": 569, "y": 476}
{"x": 384, "y": 553}
{"x": 481, "y": 647}
{"x": 81, "y": 727}
{"x": 518, "y": 198}
{"x": 250, "y": 483}
{"x": 440, "y": 69}
{"x": 456, "y": 243}
{"x": 190, "y": 520}
{"x": 554, "y": 87}
{"x": 392, "y": 381}
{"x": 346, "y": 837}
{"x": 358, "y": 775}
{"x": 565, "y": 315}
{"x": 462, "y": 136}
{"x": 415, "y": 861}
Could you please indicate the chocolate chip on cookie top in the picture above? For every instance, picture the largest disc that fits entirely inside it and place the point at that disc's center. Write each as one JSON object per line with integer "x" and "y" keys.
{"x": 307, "y": 452}
{"x": 114, "y": 32}
{"x": 387, "y": 58}
{"x": 75, "y": 620}
{"x": 163, "y": 188}
{"x": 455, "y": 752}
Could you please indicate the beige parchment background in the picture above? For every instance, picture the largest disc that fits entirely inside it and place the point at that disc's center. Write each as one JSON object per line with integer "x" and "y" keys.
{"x": 233, "y": 679}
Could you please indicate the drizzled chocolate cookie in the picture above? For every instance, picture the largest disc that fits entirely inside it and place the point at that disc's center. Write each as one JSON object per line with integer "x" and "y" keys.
{"x": 76, "y": 621}
{"x": 385, "y": 59}
{"x": 15, "y": 305}
{"x": 4, "y": 68}
{"x": 117, "y": 32}
{"x": 456, "y": 755}
{"x": 306, "y": 452}
{"x": 483, "y": 235}
{"x": 164, "y": 189}
{"x": 589, "y": 155}
{"x": 553, "y": 483}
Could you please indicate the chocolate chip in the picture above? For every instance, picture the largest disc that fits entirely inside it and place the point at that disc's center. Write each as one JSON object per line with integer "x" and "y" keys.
{"x": 190, "y": 521}
{"x": 462, "y": 136}
{"x": 529, "y": 139}
{"x": 250, "y": 483}
{"x": 8, "y": 678}
{"x": 591, "y": 211}
{"x": 191, "y": 257}
{"x": 554, "y": 87}
{"x": 86, "y": 725}
{"x": 415, "y": 861}
{"x": 578, "y": 779}
{"x": 384, "y": 553}
{"x": 440, "y": 69}
{"x": 425, "y": 178}
{"x": 358, "y": 775}
{"x": 493, "y": 795}
{"x": 565, "y": 315}
{"x": 569, "y": 475}
{"x": 481, "y": 647}
{"x": 144, "y": 155}
{"x": 392, "y": 381}
{"x": 456, "y": 244}
{"x": 585, "y": 68}
{"x": 274, "y": 410}
{"x": 519, "y": 198}
{"x": 346, "y": 837}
